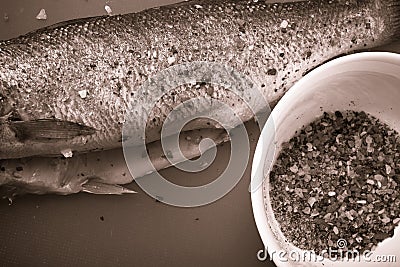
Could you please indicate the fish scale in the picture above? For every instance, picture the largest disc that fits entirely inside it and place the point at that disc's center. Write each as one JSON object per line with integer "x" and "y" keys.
{"x": 110, "y": 57}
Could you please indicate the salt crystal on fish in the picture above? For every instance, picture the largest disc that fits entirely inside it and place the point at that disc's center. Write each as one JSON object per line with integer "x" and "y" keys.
{"x": 67, "y": 153}
{"x": 83, "y": 94}
{"x": 42, "y": 15}
{"x": 284, "y": 24}
{"x": 171, "y": 60}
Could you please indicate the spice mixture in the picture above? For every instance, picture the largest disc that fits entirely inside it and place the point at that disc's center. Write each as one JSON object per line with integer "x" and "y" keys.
{"x": 338, "y": 178}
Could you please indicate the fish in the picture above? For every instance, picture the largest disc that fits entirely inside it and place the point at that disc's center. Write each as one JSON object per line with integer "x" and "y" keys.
{"x": 101, "y": 172}
{"x": 68, "y": 87}
{"x": 108, "y": 58}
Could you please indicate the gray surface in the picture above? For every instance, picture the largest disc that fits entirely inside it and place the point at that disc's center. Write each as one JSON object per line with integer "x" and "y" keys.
{"x": 136, "y": 230}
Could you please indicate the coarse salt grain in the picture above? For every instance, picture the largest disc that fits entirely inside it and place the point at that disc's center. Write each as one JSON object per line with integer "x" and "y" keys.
{"x": 284, "y": 24}
{"x": 42, "y": 15}
{"x": 335, "y": 230}
{"x": 349, "y": 216}
{"x": 307, "y": 210}
{"x": 108, "y": 9}
{"x": 294, "y": 169}
{"x": 171, "y": 60}
{"x": 388, "y": 169}
{"x": 311, "y": 201}
{"x": 314, "y": 213}
{"x": 67, "y": 153}
{"x": 82, "y": 93}
{"x": 309, "y": 147}
{"x": 371, "y": 182}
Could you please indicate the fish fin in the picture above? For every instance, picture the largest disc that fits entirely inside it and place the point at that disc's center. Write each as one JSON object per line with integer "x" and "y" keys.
{"x": 96, "y": 186}
{"x": 49, "y": 129}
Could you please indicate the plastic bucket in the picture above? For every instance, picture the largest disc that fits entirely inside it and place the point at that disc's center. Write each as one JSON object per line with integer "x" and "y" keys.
{"x": 367, "y": 82}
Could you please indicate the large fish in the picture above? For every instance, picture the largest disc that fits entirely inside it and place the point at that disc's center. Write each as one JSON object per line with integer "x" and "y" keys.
{"x": 68, "y": 86}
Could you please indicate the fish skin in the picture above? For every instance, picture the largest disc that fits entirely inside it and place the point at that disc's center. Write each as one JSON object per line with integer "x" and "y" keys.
{"x": 101, "y": 172}
{"x": 42, "y": 72}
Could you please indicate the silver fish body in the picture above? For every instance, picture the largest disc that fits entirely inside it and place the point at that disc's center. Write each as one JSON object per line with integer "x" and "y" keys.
{"x": 101, "y": 172}
{"x": 68, "y": 86}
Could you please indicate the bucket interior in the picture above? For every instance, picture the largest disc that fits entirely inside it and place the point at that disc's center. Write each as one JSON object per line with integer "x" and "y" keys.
{"x": 371, "y": 85}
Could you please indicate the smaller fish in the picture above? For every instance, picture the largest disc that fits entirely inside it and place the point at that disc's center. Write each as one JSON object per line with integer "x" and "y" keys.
{"x": 100, "y": 172}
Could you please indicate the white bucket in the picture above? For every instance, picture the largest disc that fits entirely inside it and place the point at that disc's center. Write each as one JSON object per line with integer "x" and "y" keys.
{"x": 367, "y": 82}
